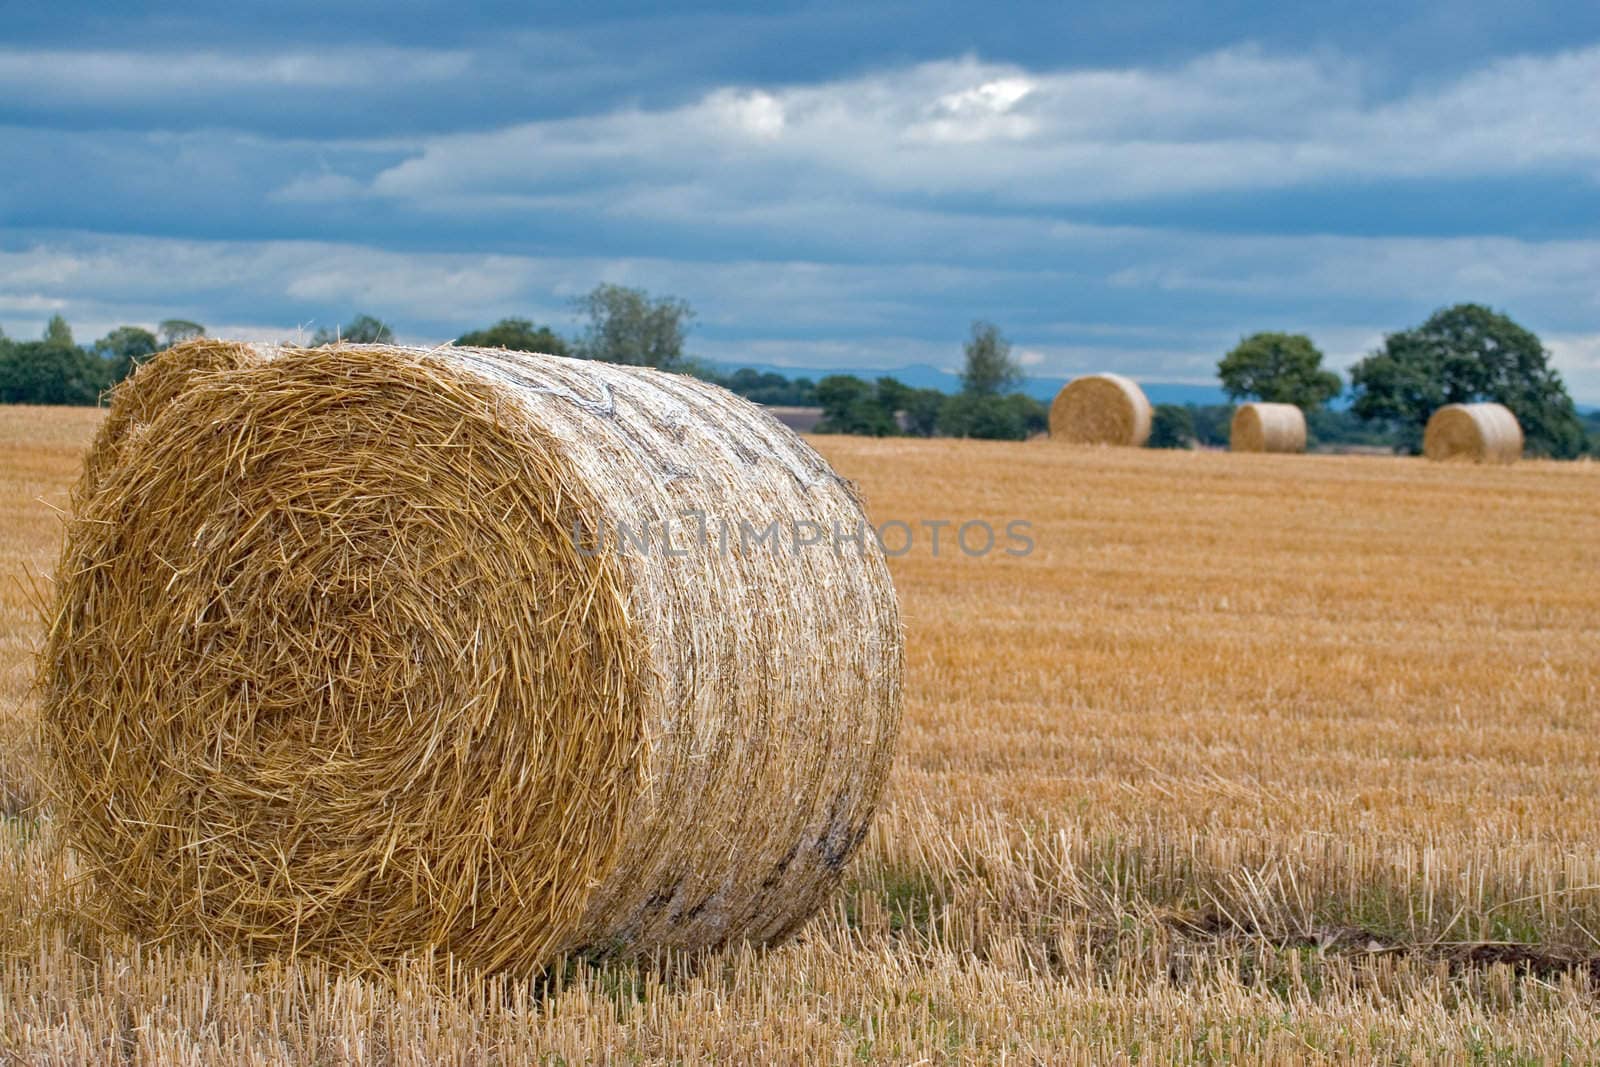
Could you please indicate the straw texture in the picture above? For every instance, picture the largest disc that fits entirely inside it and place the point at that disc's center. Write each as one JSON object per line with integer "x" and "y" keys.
{"x": 1101, "y": 409}
{"x": 349, "y": 658}
{"x": 1474, "y": 433}
{"x": 151, "y": 386}
{"x": 1262, "y": 427}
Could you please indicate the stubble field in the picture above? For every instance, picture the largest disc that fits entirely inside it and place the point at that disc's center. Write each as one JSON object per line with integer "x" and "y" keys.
{"x": 1251, "y": 758}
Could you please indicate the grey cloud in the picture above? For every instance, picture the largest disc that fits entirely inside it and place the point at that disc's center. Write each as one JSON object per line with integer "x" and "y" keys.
{"x": 1233, "y": 120}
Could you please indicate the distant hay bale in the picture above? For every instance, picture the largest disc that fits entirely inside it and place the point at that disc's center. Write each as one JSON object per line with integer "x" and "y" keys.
{"x": 1477, "y": 433}
{"x": 1262, "y": 427}
{"x": 353, "y": 656}
{"x": 1101, "y": 409}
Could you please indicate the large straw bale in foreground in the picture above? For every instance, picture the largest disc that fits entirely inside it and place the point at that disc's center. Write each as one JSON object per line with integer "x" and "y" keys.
{"x": 1262, "y": 427}
{"x": 1477, "y": 433}
{"x": 348, "y": 658}
{"x": 1101, "y": 409}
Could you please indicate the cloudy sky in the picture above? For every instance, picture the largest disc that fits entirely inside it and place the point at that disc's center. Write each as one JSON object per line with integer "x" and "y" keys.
{"x": 1126, "y": 186}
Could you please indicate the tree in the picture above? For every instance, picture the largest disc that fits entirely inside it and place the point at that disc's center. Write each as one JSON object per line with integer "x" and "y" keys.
{"x": 518, "y": 335}
{"x": 1282, "y": 368}
{"x": 1344, "y": 428}
{"x": 893, "y": 396}
{"x": 850, "y": 405}
{"x": 361, "y": 330}
{"x": 175, "y": 331}
{"x": 49, "y": 372}
{"x": 125, "y": 348}
{"x": 989, "y": 369}
{"x": 915, "y": 411}
{"x": 1171, "y": 426}
{"x": 1212, "y": 423}
{"x": 1463, "y": 354}
{"x": 628, "y": 326}
{"x": 1014, "y": 417}
{"x": 1591, "y": 426}
{"x": 58, "y": 333}
{"x": 922, "y": 409}
{"x": 1035, "y": 414}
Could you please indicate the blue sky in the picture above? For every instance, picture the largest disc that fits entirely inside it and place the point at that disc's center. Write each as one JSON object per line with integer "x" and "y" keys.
{"x": 1119, "y": 186}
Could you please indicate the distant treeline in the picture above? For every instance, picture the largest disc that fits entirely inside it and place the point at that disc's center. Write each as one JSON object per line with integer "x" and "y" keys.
{"x": 1461, "y": 354}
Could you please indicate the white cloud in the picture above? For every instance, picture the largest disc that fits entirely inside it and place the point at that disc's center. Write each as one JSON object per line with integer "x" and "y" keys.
{"x": 1577, "y": 357}
{"x": 1232, "y": 120}
{"x": 757, "y": 114}
{"x": 985, "y": 112}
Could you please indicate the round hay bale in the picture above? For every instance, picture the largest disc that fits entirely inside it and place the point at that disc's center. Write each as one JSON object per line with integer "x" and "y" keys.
{"x": 368, "y": 651}
{"x": 152, "y": 385}
{"x": 1101, "y": 409}
{"x": 1262, "y": 427}
{"x": 1474, "y": 433}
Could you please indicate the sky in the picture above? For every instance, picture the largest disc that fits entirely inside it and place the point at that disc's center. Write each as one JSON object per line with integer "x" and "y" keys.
{"x": 1119, "y": 186}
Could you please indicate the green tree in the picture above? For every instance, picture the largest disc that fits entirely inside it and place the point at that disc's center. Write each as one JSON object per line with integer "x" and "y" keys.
{"x": 850, "y": 405}
{"x": 361, "y": 330}
{"x": 1171, "y": 426}
{"x": 175, "y": 331}
{"x": 58, "y": 333}
{"x": 1463, "y": 354}
{"x": 1283, "y": 368}
{"x": 989, "y": 369}
{"x": 1330, "y": 427}
{"x": 518, "y": 335}
{"x": 49, "y": 372}
{"x": 1591, "y": 426}
{"x": 1212, "y": 423}
{"x": 893, "y": 396}
{"x": 629, "y": 326}
{"x": 921, "y": 408}
{"x": 1035, "y": 414}
{"x": 1014, "y": 417}
{"x": 915, "y": 411}
{"x": 762, "y": 387}
{"x": 125, "y": 348}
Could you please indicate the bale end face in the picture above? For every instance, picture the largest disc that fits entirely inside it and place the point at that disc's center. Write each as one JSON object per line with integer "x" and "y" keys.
{"x": 1473, "y": 433}
{"x": 1101, "y": 409}
{"x": 1263, "y": 427}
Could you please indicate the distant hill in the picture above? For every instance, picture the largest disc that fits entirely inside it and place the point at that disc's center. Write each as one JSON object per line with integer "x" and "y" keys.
{"x": 927, "y": 376}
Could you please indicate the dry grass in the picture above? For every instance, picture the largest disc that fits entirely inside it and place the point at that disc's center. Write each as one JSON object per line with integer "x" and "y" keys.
{"x": 1262, "y": 758}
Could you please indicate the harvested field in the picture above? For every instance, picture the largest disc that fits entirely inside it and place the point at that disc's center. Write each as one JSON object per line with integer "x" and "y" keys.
{"x": 1275, "y": 758}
